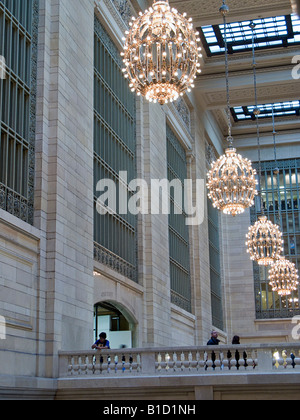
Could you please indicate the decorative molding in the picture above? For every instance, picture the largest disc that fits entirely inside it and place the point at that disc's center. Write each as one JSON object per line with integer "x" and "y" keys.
{"x": 184, "y": 112}
{"x": 210, "y": 154}
{"x": 116, "y": 263}
{"x": 208, "y": 12}
{"x": 121, "y": 10}
{"x": 124, "y": 9}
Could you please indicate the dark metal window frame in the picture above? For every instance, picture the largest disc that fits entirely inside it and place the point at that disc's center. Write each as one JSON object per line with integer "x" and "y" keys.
{"x": 115, "y": 235}
{"x": 286, "y": 212}
{"x": 240, "y": 35}
{"x": 215, "y": 266}
{"x": 18, "y": 45}
{"x": 179, "y": 247}
{"x": 281, "y": 109}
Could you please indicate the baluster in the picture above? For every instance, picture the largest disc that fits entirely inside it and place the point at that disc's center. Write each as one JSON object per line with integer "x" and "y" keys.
{"x": 251, "y": 358}
{"x": 123, "y": 363}
{"x": 182, "y": 359}
{"x": 76, "y": 365}
{"x": 159, "y": 359}
{"x": 221, "y": 356}
{"x": 198, "y": 360}
{"x": 116, "y": 363}
{"x": 70, "y": 366}
{"x": 108, "y": 363}
{"x": 190, "y": 358}
{"x": 93, "y": 361}
{"x": 80, "y": 365}
{"x": 167, "y": 359}
{"x": 85, "y": 365}
{"x": 174, "y": 361}
{"x": 138, "y": 362}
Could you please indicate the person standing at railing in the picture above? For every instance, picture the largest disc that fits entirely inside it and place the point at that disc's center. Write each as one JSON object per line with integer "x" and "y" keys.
{"x": 102, "y": 343}
{"x": 236, "y": 340}
{"x": 214, "y": 339}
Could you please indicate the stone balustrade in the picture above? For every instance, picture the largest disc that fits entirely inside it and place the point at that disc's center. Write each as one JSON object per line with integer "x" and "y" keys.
{"x": 282, "y": 357}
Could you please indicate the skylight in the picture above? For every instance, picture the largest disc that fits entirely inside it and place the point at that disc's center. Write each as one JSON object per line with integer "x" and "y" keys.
{"x": 280, "y": 31}
{"x": 281, "y": 109}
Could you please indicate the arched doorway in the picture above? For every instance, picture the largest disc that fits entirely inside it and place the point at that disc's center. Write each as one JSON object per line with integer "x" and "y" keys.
{"x": 120, "y": 329}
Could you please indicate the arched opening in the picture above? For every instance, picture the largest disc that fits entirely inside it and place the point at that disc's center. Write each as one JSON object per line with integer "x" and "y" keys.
{"x": 117, "y": 324}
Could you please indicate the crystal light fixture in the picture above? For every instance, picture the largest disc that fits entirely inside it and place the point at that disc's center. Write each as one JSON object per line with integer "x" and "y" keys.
{"x": 264, "y": 239}
{"x": 283, "y": 277}
{"x": 232, "y": 183}
{"x": 161, "y": 54}
{"x": 264, "y": 242}
{"x": 231, "y": 180}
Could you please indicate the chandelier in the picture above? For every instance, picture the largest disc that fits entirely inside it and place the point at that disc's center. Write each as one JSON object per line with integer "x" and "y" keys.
{"x": 231, "y": 180}
{"x": 232, "y": 183}
{"x": 264, "y": 239}
{"x": 161, "y": 54}
{"x": 264, "y": 242}
{"x": 283, "y": 277}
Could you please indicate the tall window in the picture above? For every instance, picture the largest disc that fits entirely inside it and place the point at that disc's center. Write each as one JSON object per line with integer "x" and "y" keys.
{"x": 215, "y": 266}
{"x": 114, "y": 151}
{"x": 178, "y": 230}
{"x": 281, "y": 201}
{"x": 18, "y": 47}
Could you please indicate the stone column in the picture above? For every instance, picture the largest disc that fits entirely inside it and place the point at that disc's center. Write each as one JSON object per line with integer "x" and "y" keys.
{"x": 64, "y": 178}
{"x": 154, "y": 265}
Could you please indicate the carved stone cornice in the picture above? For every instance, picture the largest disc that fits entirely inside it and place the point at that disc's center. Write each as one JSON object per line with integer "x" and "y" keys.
{"x": 207, "y": 12}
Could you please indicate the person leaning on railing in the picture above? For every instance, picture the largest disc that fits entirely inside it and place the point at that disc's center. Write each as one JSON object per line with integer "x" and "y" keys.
{"x": 214, "y": 339}
{"x": 102, "y": 343}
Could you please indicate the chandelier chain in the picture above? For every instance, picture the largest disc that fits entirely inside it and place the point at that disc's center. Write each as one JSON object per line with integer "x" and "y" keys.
{"x": 231, "y": 179}
{"x": 257, "y": 113}
{"x": 224, "y": 11}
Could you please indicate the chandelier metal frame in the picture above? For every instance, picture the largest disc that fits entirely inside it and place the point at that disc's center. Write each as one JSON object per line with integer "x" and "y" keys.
{"x": 264, "y": 242}
{"x": 161, "y": 53}
{"x": 232, "y": 179}
{"x": 264, "y": 239}
{"x": 283, "y": 277}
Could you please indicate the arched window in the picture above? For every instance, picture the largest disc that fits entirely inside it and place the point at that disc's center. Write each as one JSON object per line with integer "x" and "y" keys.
{"x": 109, "y": 319}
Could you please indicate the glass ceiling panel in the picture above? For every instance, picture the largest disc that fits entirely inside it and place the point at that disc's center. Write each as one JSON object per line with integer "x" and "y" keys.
{"x": 280, "y": 31}
{"x": 281, "y": 109}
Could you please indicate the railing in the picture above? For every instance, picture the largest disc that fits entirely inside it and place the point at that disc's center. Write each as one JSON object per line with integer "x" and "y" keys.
{"x": 181, "y": 361}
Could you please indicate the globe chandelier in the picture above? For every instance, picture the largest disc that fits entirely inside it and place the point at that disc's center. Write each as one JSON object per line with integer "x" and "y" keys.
{"x": 264, "y": 239}
{"x": 231, "y": 180}
{"x": 264, "y": 242}
{"x": 161, "y": 54}
{"x": 283, "y": 277}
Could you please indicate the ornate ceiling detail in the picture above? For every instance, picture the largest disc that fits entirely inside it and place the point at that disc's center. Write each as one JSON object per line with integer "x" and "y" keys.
{"x": 207, "y": 12}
